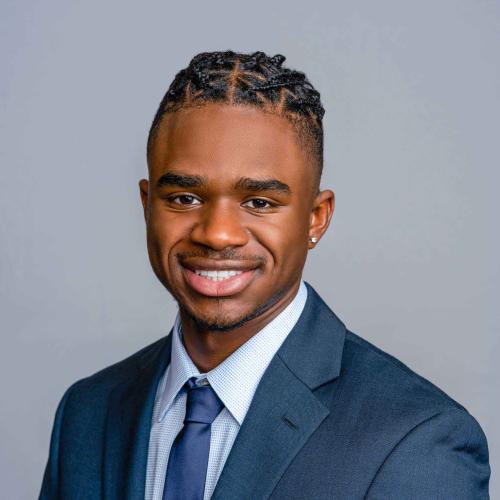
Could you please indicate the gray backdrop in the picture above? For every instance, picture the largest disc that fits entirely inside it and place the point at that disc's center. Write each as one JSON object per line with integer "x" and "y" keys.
{"x": 412, "y": 135}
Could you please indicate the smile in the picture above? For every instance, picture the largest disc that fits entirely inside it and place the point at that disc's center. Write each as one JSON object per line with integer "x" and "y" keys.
{"x": 218, "y": 282}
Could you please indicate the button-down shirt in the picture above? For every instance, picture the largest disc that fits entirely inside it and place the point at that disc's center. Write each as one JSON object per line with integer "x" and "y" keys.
{"x": 235, "y": 381}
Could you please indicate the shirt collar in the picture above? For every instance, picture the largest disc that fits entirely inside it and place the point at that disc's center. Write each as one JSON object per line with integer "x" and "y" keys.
{"x": 235, "y": 380}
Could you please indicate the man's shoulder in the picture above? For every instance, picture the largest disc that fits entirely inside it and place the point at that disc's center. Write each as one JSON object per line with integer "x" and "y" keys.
{"x": 369, "y": 373}
{"x": 120, "y": 372}
{"x": 391, "y": 386}
{"x": 409, "y": 424}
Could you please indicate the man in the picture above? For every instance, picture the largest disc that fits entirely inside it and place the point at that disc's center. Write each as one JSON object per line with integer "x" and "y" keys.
{"x": 259, "y": 391}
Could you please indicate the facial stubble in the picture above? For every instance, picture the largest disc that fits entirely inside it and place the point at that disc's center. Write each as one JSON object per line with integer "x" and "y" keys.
{"x": 225, "y": 324}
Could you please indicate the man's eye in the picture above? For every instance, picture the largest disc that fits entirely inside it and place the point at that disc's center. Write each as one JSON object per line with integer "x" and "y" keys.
{"x": 184, "y": 199}
{"x": 258, "y": 204}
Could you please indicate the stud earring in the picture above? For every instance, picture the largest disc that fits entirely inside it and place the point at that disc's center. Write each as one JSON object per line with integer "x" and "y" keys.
{"x": 313, "y": 239}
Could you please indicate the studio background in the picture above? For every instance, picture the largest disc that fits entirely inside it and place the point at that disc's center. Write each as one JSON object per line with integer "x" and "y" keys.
{"x": 410, "y": 262}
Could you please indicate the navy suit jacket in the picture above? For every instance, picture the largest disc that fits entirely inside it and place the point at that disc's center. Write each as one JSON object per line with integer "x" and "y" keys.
{"x": 332, "y": 418}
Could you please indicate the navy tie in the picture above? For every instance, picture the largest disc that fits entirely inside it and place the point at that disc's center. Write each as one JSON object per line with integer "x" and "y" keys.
{"x": 188, "y": 460}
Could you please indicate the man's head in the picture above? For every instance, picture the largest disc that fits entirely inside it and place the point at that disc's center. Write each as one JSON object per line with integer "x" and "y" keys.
{"x": 235, "y": 155}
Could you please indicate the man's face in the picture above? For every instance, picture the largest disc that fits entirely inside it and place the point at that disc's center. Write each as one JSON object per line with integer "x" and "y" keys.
{"x": 230, "y": 205}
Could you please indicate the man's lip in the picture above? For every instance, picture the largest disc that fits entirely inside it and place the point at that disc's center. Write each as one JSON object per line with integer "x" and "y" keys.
{"x": 219, "y": 265}
{"x": 224, "y": 288}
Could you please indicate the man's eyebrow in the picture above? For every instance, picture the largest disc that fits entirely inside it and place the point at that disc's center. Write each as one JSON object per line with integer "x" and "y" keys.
{"x": 180, "y": 180}
{"x": 247, "y": 184}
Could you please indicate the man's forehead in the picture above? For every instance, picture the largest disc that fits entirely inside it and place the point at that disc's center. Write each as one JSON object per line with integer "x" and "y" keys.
{"x": 216, "y": 133}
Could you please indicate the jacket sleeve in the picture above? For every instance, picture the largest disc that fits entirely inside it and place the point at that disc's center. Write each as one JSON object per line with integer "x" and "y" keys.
{"x": 444, "y": 457}
{"x": 50, "y": 483}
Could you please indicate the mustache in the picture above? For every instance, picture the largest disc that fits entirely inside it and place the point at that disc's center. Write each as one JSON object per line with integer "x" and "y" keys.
{"x": 227, "y": 254}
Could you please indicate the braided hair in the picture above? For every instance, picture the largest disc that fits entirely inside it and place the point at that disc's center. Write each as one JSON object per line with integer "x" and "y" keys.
{"x": 253, "y": 79}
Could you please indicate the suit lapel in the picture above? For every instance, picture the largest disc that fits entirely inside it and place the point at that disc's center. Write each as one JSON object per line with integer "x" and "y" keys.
{"x": 283, "y": 414}
{"x": 284, "y": 411}
{"x": 128, "y": 426}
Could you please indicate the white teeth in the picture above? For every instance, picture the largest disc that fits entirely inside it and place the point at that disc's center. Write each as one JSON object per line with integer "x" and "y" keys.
{"x": 217, "y": 275}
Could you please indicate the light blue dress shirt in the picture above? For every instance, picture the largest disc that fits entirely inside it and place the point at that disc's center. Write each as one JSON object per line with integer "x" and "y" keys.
{"x": 235, "y": 381}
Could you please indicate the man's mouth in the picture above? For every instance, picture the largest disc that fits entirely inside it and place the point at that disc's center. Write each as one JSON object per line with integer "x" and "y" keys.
{"x": 218, "y": 282}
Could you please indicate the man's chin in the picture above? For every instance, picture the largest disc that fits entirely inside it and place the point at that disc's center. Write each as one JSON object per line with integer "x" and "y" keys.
{"x": 224, "y": 322}
{"x": 220, "y": 323}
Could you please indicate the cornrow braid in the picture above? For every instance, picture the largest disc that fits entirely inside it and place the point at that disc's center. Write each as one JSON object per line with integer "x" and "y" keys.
{"x": 254, "y": 79}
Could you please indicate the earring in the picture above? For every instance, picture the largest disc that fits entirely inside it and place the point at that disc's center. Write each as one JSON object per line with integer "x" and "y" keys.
{"x": 313, "y": 239}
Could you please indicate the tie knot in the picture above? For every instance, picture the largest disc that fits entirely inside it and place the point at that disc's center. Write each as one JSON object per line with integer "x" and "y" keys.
{"x": 203, "y": 404}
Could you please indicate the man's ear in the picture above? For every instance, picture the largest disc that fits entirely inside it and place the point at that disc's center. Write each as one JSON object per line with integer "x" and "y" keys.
{"x": 321, "y": 214}
{"x": 144, "y": 190}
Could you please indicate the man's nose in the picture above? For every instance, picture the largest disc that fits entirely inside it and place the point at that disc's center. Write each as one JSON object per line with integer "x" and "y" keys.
{"x": 220, "y": 227}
